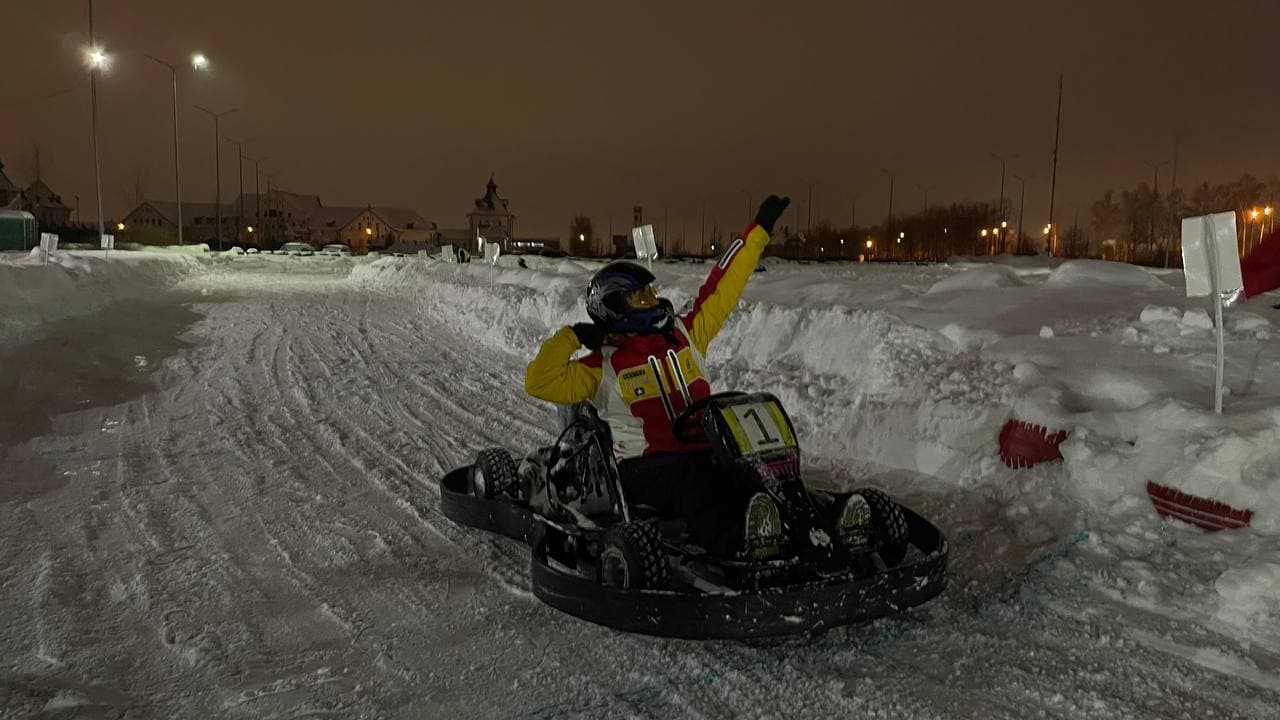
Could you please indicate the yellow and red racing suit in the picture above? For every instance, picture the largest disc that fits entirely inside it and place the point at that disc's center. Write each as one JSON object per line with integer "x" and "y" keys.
{"x": 640, "y": 383}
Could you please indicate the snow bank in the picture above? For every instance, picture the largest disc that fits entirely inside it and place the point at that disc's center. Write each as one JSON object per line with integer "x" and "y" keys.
{"x": 922, "y": 380}
{"x": 78, "y": 283}
{"x": 989, "y": 276}
{"x": 1100, "y": 273}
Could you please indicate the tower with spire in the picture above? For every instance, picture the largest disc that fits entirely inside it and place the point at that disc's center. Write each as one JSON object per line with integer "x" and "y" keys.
{"x": 491, "y": 220}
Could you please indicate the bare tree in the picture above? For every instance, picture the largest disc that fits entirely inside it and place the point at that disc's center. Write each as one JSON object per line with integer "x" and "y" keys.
{"x": 582, "y": 235}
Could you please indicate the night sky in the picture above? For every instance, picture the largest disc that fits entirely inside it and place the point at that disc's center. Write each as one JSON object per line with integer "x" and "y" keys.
{"x": 593, "y": 107}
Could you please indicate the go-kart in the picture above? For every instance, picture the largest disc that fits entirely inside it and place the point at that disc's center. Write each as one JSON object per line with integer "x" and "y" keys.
{"x": 838, "y": 558}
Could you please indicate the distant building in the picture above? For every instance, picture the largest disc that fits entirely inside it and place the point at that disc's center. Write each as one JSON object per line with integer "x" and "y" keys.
{"x": 46, "y": 205}
{"x": 491, "y": 221}
{"x": 9, "y": 192}
{"x": 161, "y": 219}
{"x": 269, "y": 220}
{"x": 372, "y": 228}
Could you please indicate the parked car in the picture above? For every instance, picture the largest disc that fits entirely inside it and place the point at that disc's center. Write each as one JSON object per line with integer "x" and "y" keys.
{"x": 296, "y": 248}
{"x": 339, "y": 250}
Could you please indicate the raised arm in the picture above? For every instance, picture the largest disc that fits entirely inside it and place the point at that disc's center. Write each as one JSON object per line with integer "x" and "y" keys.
{"x": 720, "y": 293}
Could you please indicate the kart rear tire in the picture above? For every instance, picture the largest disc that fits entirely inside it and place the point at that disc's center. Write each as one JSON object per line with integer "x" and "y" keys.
{"x": 632, "y": 557}
{"x": 889, "y": 525}
{"x": 494, "y": 474}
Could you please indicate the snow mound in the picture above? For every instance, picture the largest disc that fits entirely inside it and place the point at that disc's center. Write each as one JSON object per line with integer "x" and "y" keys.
{"x": 75, "y": 284}
{"x": 985, "y": 278}
{"x": 1101, "y": 273}
{"x": 1160, "y": 313}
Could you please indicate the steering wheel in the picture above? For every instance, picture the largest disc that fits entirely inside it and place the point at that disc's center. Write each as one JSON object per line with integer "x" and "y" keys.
{"x": 687, "y": 422}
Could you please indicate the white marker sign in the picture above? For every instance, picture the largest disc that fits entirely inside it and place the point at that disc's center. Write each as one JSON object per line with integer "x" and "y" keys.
{"x": 48, "y": 243}
{"x": 646, "y": 246}
{"x": 1211, "y": 263}
{"x": 491, "y": 253}
{"x": 1209, "y": 254}
{"x": 448, "y": 255}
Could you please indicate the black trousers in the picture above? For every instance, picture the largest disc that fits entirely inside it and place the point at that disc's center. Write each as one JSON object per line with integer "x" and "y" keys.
{"x": 689, "y": 485}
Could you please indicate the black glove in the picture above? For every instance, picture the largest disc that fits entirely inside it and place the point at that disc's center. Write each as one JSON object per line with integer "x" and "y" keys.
{"x": 589, "y": 334}
{"x": 770, "y": 210}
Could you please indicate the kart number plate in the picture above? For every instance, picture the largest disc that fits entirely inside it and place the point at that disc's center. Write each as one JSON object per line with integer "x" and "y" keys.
{"x": 759, "y": 427}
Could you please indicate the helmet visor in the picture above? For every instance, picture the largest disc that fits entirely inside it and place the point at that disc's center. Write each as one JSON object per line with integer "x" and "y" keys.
{"x": 642, "y": 299}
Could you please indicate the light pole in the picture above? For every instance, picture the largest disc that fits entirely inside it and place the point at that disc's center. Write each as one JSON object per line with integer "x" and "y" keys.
{"x": 888, "y": 223}
{"x": 1000, "y": 212}
{"x": 750, "y": 204}
{"x": 257, "y": 190}
{"x": 217, "y": 168}
{"x": 1155, "y": 201}
{"x": 1022, "y": 206}
{"x": 97, "y": 60}
{"x": 808, "y": 223}
{"x": 271, "y": 219}
{"x": 240, "y": 154}
{"x": 198, "y": 62}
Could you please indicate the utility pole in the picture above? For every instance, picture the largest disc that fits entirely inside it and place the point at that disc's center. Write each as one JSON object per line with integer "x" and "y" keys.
{"x": 257, "y": 191}
{"x": 1155, "y": 201}
{"x": 808, "y": 225}
{"x": 217, "y": 168}
{"x": 1173, "y": 214}
{"x": 1052, "y": 240}
{"x": 272, "y": 219}
{"x": 999, "y": 229}
{"x": 177, "y": 157}
{"x": 853, "y": 212}
{"x": 704, "y": 226}
{"x": 888, "y": 223}
{"x": 1022, "y": 208}
{"x": 240, "y": 154}
{"x": 98, "y": 59}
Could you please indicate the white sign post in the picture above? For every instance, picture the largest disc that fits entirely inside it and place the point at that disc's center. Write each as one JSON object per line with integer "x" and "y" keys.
{"x": 491, "y": 252}
{"x": 646, "y": 247}
{"x": 448, "y": 255}
{"x": 108, "y": 244}
{"x": 48, "y": 243}
{"x": 1211, "y": 264}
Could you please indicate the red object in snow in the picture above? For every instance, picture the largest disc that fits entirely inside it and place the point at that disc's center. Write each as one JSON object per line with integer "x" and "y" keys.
{"x": 1206, "y": 514}
{"x": 1261, "y": 269}
{"x": 1023, "y": 445}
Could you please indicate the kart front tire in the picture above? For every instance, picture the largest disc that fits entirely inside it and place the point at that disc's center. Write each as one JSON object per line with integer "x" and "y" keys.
{"x": 632, "y": 557}
{"x": 494, "y": 474}
{"x": 889, "y": 525}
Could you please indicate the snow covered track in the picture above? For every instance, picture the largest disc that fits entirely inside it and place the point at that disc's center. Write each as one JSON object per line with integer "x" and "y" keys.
{"x": 252, "y": 530}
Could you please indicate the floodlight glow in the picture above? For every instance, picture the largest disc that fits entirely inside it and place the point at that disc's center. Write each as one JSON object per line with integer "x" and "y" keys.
{"x": 120, "y": 226}
{"x": 199, "y": 61}
{"x": 96, "y": 58}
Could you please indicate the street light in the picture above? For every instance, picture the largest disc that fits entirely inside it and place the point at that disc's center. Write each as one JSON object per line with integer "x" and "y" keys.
{"x": 869, "y": 244}
{"x": 97, "y": 60}
{"x": 199, "y": 63}
{"x": 120, "y": 227}
{"x": 983, "y": 233}
{"x": 217, "y": 164}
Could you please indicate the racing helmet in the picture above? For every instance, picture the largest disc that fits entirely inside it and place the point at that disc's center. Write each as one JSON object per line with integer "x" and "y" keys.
{"x": 621, "y": 299}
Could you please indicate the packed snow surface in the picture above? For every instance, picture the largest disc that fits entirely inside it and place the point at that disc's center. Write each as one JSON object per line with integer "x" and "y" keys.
{"x": 231, "y": 511}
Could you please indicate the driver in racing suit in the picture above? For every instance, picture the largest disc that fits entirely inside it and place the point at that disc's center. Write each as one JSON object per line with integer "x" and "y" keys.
{"x": 643, "y": 368}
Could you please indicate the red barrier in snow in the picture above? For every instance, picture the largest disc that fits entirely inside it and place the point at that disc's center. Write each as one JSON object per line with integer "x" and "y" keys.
{"x": 1023, "y": 445}
{"x": 1206, "y": 514}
